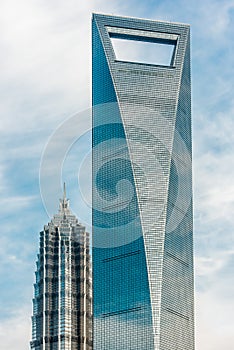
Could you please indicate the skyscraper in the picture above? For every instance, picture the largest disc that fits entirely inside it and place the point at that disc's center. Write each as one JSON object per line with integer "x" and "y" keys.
{"x": 143, "y": 281}
{"x": 62, "y": 303}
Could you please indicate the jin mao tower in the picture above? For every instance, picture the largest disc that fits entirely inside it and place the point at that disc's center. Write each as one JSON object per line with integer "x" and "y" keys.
{"x": 62, "y": 303}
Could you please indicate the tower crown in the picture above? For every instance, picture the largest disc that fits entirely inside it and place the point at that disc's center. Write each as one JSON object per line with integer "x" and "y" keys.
{"x": 64, "y": 203}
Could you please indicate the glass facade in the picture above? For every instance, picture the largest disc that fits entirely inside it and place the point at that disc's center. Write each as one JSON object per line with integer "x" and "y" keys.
{"x": 143, "y": 283}
{"x": 62, "y": 303}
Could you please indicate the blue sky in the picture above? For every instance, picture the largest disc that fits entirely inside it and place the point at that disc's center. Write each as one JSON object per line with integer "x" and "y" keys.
{"x": 45, "y": 79}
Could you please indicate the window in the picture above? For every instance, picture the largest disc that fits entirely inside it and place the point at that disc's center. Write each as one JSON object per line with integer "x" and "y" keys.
{"x": 143, "y": 52}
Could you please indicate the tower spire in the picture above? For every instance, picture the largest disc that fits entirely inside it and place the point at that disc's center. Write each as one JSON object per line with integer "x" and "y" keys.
{"x": 64, "y": 191}
{"x": 64, "y": 202}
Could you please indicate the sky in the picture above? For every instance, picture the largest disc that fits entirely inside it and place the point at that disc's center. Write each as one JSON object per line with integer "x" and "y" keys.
{"x": 45, "y": 68}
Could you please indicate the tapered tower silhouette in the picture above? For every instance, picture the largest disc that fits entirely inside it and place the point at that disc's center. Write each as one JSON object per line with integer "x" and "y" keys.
{"x": 142, "y": 185}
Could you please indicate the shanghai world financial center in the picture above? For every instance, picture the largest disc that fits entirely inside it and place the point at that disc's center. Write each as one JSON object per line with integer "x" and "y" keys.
{"x": 142, "y": 214}
{"x": 143, "y": 284}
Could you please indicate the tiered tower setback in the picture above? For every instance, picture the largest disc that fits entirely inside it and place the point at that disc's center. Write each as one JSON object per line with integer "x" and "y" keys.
{"x": 62, "y": 303}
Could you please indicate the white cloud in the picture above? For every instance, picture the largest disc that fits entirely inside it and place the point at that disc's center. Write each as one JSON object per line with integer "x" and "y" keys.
{"x": 216, "y": 18}
{"x": 15, "y": 331}
{"x": 45, "y": 52}
{"x": 214, "y": 324}
{"x": 205, "y": 266}
{"x": 17, "y": 202}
